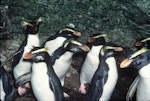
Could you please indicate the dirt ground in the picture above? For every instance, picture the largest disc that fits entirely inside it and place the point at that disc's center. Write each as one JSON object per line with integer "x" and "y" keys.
{"x": 126, "y": 76}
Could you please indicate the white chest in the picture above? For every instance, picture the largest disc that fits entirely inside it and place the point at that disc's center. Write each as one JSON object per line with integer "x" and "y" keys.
{"x": 52, "y": 45}
{"x": 62, "y": 64}
{"x": 33, "y": 40}
{"x": 90, "y": 64}
{"x": 40, "y": 82}
{"x": 24, "y": 67}
{"x": 2, "y": 93}
{"x": 143, "y": 88}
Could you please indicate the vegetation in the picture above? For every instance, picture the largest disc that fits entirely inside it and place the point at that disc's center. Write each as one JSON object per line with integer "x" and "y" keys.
{"x": 122, "y": 20}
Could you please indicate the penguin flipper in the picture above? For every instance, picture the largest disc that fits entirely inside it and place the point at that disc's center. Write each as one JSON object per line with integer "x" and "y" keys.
{"x": 132, "y": 89}
{"x": 52, "y": 85}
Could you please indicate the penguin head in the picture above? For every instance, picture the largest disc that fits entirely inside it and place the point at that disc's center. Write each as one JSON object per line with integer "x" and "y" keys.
{"x": 108, "y": 51}
{"x": 144, "y": 42}
{"x": 32, "y": 26}
{"x": 74, "y": 46}
{"x": 138, "y": 59}
{"x": 37, "y": 55}
{"x": 69, "y": 32}
{"x": 97, "y": 39}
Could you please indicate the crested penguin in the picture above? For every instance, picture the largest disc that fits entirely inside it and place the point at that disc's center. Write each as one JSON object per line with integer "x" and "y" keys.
{"x": 105, "y": 77}
{"x": 45, "y": 83}
{"x": 91, "y": 61}
{"x": 63, "y": 57}
{"x": 140, "y": 60}
{"x": 56, "y": 41}
{"x": 7, "y": 90}
{"x": 20, "y": 66}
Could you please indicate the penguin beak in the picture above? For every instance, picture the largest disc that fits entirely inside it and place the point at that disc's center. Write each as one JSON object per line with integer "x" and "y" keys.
{"x": 118, "y": 49}
{"x": 138, "y": 43}
{"x": 91, "y": 39}
{"x": 28, "y": 55}
{"x": 85, "y": 48}
{"x": 125, "y": 63}
{"x": 77, "y": 33}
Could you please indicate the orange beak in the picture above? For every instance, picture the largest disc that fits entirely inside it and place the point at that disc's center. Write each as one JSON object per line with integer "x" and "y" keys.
{"x": 91, "y": 39}
{"x": 28, "y": 55}
{"x": 125, "y": 63}
{"x": 118, "y": 49}
{"x": 77, "y": 33}
{"x": 85, "y": 48}
{"x": 138, "y": 43}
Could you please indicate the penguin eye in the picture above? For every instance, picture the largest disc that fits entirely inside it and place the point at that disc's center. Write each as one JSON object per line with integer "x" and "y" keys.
{"x": 137, "y": 60}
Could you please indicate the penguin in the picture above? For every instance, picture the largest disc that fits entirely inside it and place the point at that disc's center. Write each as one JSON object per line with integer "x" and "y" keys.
{"x": 140, "y": 60}
{"x": 91, "y": 61}
{"x": 57, "y": 40}
{"x": 64, "y": 55}
{"x": 105, "y": 78}
{"x": 44, "y": 81}
{"x": 61, "y": 59}
{"x": 21, "y": 67}
{"x": 7, "y": 90}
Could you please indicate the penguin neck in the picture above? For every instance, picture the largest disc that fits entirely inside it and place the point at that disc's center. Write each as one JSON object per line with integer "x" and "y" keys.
{"x": 32, "y": 41}
{"x": 106, "y": 59}
{"x": 54, "y": 44}
{"x": 96, "y": 49}
{"x": 111, "y": 62}
{"x": 105, "y": 54}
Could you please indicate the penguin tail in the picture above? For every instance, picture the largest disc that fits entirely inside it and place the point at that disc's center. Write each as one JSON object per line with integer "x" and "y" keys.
{"x": 132, "y": 89}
